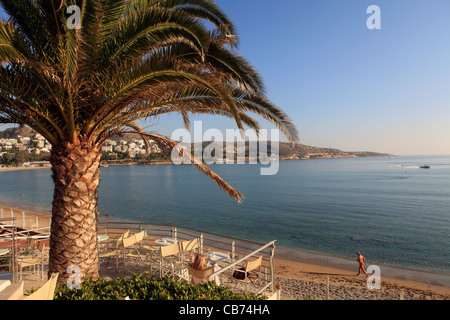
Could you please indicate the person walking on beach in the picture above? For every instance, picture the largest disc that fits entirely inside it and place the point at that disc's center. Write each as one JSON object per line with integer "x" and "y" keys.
{"x": 361, "y": 264}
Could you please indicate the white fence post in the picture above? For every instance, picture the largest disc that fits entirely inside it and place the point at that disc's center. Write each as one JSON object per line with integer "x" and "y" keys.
{"x": 328, "y": 288}
{"x": 272, "y": 265}
{"x": 233, "y": 250}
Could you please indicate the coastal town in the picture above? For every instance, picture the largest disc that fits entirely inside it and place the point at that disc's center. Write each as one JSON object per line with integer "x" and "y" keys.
{"x": 25, "y": 147}
{"x": 36, "y": 144}
{"x": 32, "y": 149}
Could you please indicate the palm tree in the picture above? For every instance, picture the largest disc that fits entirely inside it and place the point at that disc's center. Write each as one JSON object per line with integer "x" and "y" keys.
{"x": 125, "y": 61}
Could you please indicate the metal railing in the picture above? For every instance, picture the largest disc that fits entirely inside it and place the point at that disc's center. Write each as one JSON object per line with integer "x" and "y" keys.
{"x": 269, "y": 282}
{"x": 8, "y": 226}
{"x": 14, "y": 240}
{"x": 23, "y": 220}
{"x": 239, "y": 250}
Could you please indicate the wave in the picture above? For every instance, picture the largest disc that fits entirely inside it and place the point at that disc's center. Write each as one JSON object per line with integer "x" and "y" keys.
{"x": 404, "y": 167}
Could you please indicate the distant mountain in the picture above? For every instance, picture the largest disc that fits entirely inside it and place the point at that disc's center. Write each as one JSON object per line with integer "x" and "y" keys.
{"x": 12, "y": 133}
{"x": 288, "y": 151}
{"x": 301, "y": 151}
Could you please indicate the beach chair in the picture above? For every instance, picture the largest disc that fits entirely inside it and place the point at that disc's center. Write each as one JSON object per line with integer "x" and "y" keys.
{"x": 133, "y": 249}
{"x": 32, "y": 244}
{"x": 30, "y": 248}
{"x": 188, "y": 246}
{"x": 47, "y": 291}
{"x": 199, "y": 276}
{"x": 248, "y": 276}
{"x": 148, "y": 253}
{"x": 115, "y": 239}
{"x": 32, "y": 258}
{"x": 108, "y": 252}
{"x": 44, "y": 251}
{"x": 170, "y": 261}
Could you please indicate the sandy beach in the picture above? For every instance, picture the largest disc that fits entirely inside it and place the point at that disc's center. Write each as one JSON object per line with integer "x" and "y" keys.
{"x": 304, "y": 280}
{"x": 301, "y": 280}
{"x": 22, "y": 168}
{"x": 26, "y": 219}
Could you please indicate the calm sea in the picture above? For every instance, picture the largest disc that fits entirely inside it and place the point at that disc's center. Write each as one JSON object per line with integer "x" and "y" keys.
{"x": 388, "y": 208}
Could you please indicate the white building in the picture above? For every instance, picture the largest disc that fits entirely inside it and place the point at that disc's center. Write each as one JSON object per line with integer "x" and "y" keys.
{"x": 107, "y": 148}
{"x": 25, "y": 141}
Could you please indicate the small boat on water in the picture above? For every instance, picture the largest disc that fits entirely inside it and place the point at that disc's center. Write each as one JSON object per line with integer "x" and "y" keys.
{"x": 425, "y": 167}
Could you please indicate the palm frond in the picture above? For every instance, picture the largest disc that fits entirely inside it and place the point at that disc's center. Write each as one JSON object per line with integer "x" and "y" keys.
{"x": 113, "y": 11}
{"x": 138, "y": 33}
{"x": 143, "y": 77}
{"x": 202, "y": 9}
{"x": 236, "y": 67}
{"x": 27, "y": 18}
{"x": 263, "y": 107}
{"x": 131, "y": 60}
{"x": 172, "y": 146}
{"x": 50, "y": 11}
{"x": 9, "y": 42}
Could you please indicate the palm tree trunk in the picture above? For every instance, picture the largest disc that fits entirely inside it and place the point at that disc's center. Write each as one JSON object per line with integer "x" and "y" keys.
{"x": 73, "y": 240}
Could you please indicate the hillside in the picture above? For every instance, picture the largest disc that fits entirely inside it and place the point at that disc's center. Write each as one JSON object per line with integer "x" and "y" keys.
{"x": 285, "y": 150}
{"x": 301, "y": 151}
{"x": 288, "y": 151}
{"x": 12, "y": 133}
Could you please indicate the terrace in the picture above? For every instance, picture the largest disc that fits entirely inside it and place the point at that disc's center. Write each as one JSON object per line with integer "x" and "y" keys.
{"x": 129, "y": 248}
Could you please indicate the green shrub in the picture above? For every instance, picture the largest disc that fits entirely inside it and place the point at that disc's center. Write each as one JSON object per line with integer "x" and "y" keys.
{"x": 148, "y": 287}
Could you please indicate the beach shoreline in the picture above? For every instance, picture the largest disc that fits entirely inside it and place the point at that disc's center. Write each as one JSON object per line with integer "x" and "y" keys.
{"x": 131, "y": 162}
{"x": 303, "y": 274}
{"x": 316, "y": 267}
{"x": 20, "y": 168}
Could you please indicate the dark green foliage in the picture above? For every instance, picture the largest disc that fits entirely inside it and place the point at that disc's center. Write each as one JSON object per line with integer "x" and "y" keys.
{"x": 17, "y": 158}
{"x": 148, "y": 287}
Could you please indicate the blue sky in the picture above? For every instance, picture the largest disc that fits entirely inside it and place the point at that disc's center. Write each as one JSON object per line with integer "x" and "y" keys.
{"x": 343, "y": 85}
{"x": 349, "y": 87}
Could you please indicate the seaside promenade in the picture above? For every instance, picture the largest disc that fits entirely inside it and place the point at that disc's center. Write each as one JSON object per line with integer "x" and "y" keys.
{"x": 299, "y": 280}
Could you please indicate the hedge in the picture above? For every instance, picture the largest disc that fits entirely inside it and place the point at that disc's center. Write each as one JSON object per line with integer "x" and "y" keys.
{"x": 148, "y": 287}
